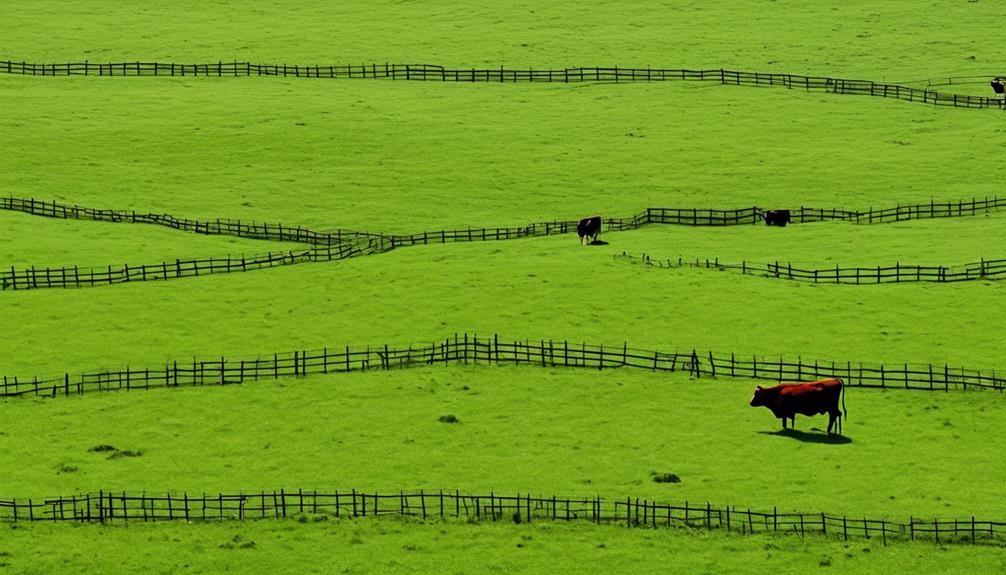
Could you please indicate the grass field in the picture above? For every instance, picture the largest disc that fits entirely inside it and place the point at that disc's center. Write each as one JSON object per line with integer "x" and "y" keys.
{"x": 390, "y": 546}
{"x": 96, "y": 244}
{"x": 537, "y": 288}
{"x": 407, "y": 157}
{"x": 549, "y": 431}
{"x": 859, "y": 38}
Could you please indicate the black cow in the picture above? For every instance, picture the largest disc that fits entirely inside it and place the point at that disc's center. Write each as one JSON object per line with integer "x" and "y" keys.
{"x": 776, "y": 217}
{"x": 589, "y": 228}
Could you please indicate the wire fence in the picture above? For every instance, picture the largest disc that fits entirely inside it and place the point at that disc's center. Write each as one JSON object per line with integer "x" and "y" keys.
{"x": 898, "y": 273}
{"x": 109, "y": 506}
{"x": 431, "y": 72}
{"x": 472, "y": 349}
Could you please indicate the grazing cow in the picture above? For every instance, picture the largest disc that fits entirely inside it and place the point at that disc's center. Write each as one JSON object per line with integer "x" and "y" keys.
{"x": 811, "y": 398}
{"x": 776, "y": 218}
{"x": 589, "y": 228}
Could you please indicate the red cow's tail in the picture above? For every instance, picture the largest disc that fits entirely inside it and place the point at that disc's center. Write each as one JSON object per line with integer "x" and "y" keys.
{"x": 841, "y": 391}
{"x": 844, "y": 410}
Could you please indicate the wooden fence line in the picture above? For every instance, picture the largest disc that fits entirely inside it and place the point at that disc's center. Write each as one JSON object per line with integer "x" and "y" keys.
{"x": 339, "y": 244}
{"x": 253, "y": 230}
{"x": 471, "y": 348}
{"x": 430, "y": 72}
{"x": 109, "y": 506}
{"x": 674, "y": 216}
{"x": 898, "y": 273}
{"x": 76, "y": 277}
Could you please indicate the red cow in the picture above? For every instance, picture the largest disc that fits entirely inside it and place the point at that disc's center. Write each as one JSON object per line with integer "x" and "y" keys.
{"x": 811, "y": 398}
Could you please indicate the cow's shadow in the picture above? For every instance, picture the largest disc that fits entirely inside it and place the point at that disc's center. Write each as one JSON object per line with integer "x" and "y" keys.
{"x": 817, "y": 436}
{"x": 598, "y": 243}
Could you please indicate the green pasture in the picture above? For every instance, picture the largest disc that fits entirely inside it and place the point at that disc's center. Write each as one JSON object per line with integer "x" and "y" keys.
{"x": 902, "y": 41}
{"x": 543, "y": 288}
{"x": 405, "y": 157}
{"x": 573, "y": 432}
{"x": 820, "y": 244}
{"x": 413, "y": 156}
{"x": 824, "y": 244}
{"x": 46, "y": 242}
{"x": 393, "y": 546}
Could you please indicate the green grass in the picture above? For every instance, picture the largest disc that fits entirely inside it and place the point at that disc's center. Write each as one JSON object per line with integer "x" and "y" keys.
{"x": 825, "y": 244}
{"x": 408, "y": 157}
{"x": 908, "y": 40}
{"x": 537, "y": 288}
{"x": 393, "y": 546}
{"x": 525, "y": 429}
{"x": 43, "y": 242}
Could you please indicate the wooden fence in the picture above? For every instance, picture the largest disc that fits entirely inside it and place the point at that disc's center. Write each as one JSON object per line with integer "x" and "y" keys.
{"x": 898, "y": 273}
{"x": 108, "y": 506}
{"x": 754, "y": 215}
{"x": 677, "y": 216}
{"x": 340, "y": 244}
{"x": 473, "y": 349}
{"x": 75, "y": 277}
{"x": 430, "y": 72}
{"x": 253, "y": 230}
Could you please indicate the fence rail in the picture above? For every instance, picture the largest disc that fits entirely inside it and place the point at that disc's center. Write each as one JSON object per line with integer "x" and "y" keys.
{"x": 75, "y": 277}
{"x": 253, "y": 230}
{"x": 340, "y": 243}
{"x": 677, "y": 216}
{"x": 897, "y": 273}
{"x": 473, "y": 349}
{"x": 108, "y": 506}
{"x": 430, "y": 72}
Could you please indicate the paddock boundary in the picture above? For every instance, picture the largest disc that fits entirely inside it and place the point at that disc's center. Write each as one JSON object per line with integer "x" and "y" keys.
{"x": 472, "y": 349}
{"x": 873, "y": 275}
{"x": 341, "y": 244}
{"x": 120, "y": 506}
{"x": 433, "y": 72}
